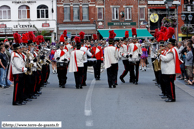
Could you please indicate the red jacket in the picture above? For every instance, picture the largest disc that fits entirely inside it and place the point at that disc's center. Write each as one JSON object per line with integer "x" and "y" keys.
{"x": 97, "y": 52}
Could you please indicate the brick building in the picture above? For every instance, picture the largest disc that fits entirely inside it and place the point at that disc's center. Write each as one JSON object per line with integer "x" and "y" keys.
{"x": 158, "y": 7}
{"x": 96, "y": 16}
{"x": 186, "y": 7}
{"x": 75, "y": 16}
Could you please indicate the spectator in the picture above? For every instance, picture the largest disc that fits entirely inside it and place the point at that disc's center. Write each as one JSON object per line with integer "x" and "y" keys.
{"x": 4, "y": 82}
{"x": 189, "y": 63}
{"x": 8, "y": 50}
{"x": 92, "y": 44}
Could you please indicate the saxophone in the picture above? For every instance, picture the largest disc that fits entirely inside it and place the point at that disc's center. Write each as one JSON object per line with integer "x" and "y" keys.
{"x": 156, "y": 62}
{"x": 39, "y": 66}
{"x": 28, "y": 65}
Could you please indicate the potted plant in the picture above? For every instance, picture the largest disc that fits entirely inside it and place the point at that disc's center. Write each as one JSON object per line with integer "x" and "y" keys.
{"x": 169, "y": 21}
{"x": 185, "y": 29}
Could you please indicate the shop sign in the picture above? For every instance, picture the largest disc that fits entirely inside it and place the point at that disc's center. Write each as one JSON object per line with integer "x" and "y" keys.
{"x": 45, "y": 25}
{"x": 23, "y": 26}
{"x": 23, "y": 1}
{"x": 2, "y": 25}
{"x": 121, "y": 23}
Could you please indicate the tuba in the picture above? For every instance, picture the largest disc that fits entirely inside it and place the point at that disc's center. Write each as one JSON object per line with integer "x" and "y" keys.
{"x": 156, "y": 62}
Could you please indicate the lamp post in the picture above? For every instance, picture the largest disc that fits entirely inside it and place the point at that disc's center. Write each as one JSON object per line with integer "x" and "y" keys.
{"x": 187, "y": 20}
{"x": 168, "y": 4}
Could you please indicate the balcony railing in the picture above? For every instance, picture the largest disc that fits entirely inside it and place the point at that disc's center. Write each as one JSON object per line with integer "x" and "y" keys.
{"x": 188, "y": 8}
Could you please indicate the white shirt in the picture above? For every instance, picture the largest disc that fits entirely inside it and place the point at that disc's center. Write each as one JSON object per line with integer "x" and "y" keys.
{"x": 58, "y": 54}
{"x": 111, "y": 56}
{"x": 88, "y": 53}
{"x": 123, "y": 51}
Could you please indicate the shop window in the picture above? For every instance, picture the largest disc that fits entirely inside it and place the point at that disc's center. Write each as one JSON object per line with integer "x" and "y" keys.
{"x": 42, "y": 11}
{"x": 188, "y": 1}
{"x": 128, "y": 13}
{"x": 100, "y": 13}
{"x": 115, "y": 13}
{"x": 5, "y": 12}
{"x": 85, "y": 12}
{"x": 24, "y": 12}
{"x": 66, "y": 12}
{"x": 76, "y": 16}
{"x": 142, "y": 13}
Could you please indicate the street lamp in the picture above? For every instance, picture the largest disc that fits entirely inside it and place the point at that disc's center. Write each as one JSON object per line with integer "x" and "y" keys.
{"x": 168, "y": 4}
{"x": 187, "y": 20}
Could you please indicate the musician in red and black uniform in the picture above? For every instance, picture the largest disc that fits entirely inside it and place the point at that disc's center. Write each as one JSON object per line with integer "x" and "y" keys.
{"x": 62, "y": 58}
{"x": 16, "y": 72}
{"x": 98, "y": 54}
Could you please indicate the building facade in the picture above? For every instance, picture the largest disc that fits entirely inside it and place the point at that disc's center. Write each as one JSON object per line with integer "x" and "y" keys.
{"x": 91, "y": 16}
{"x": 187, "y": 8}
{"x": 29, "y": 15}
{"x": 158, "y": 8}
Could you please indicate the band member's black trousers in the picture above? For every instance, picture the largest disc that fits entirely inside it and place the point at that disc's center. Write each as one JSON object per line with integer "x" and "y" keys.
{"x": 163, "y": 85}
{"x": 47, "y": 73}
{"x": 18, "y": 95}
{"x": 170, "y": 87}
{"x": 29, "y": 85}
{"x": 135, "y": 75}
{"x": 39, "y": 78}
{"x": 127, "y": 69}
{"x": 97, "y": 67}
{"x": 78, "y": 76}
{"x": 62, "y": 72}
{"x": 158, "y": 76}
{"x": 112, "y": 74}
{"x": 44, "y": 72}
{"x": 85, "y": 73}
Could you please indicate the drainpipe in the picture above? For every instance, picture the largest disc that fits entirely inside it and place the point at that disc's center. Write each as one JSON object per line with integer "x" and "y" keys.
{"x": 138, "y": 13}
{"x": 56, "y": 23}
{"x": 104, "y": 15}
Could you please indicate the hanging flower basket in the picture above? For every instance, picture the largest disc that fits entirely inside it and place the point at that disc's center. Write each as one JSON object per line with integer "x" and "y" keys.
{"x": 169, "y": 21}
{"x": 185, "y": 29}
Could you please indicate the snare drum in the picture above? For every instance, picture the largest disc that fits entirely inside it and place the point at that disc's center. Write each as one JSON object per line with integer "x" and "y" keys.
{"x": 62, "y": 64}
{"x": 92, "y": 61}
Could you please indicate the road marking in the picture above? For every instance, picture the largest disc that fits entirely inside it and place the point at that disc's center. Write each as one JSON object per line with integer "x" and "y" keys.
{"x": 88, "y": 102}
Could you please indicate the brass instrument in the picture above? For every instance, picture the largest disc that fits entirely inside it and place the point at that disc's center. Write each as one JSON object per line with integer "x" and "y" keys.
{"x": 39, "y": 66}
{"x": 156, "y": 62}
{"x": 28, "y": 65}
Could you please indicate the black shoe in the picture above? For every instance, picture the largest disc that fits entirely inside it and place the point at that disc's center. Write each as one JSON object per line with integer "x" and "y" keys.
{"x": 161, "y": 95}
{"x": 169, "y": 100}
{"x": 81, "y": 87}
{"x": 36, "y": 95}
{"x": 28, "y": 100}
{"x": 164, "y": 97}
{"x": 77, "y": 87}
{"x": 39, "y": 92}
{"x": 47, "y": 82}
{"x": 110, "y": 86}
{"x": 123, "y": 81}
{"x": 114, "y": 86}
{"x": 33, "y": 97}
{"x": 84, "y": 84}
{"x": 130, "y": 80}
{"x": 97, "y": 78}
{"x": 23, "y": 103}
{"x": 136, "y": 83}
{"x": 16, "y": 103}
{"x": 154, "y": 80}
{"x": 63, "y": 86}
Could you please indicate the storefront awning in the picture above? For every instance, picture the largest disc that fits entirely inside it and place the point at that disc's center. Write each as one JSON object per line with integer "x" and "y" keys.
{"x": 120, "y": 33}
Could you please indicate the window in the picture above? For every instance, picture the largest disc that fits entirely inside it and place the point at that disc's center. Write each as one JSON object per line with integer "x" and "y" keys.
{"x": 100, "y": 13}
{"x": 66, "y": 12}
{"x": 128, "y": 13}
{"x": 142, "y": 13}
{"x": 85, "y": 12}
{"x": 115, "y": 13}
{"x": 23, "y": 12}
{"x": 76, "y": 12}
{"x": 5, "y": 12}
{"x": 42, "y": 11}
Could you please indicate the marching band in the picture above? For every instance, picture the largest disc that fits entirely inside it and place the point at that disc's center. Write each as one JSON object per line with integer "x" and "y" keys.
{"x": 30, "y": 69}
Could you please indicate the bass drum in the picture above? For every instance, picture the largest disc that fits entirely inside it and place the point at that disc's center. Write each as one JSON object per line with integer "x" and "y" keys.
{"x": 92, "y": 61}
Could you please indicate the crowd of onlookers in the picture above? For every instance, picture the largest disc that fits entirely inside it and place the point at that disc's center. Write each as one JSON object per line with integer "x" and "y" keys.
{"x": 5, "y": 55}
{"x": 186, "y": 51}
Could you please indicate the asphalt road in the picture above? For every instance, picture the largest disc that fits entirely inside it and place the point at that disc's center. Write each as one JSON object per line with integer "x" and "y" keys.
{"x": 98, "y": 107}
